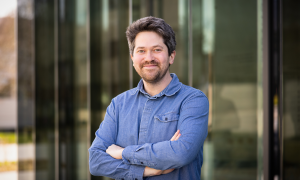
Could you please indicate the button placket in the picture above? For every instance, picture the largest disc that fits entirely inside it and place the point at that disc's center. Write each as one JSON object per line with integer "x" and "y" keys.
{"x": 145, "y": 121}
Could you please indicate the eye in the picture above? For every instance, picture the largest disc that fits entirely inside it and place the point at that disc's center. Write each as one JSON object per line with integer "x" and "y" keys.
{"x": 157, "y": 50}
{"x": 141, "y": 51}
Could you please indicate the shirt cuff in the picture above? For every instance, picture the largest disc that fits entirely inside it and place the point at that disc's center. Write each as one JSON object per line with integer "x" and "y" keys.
{"x": 137, "y": 172}
{"x": 128, "y": 154}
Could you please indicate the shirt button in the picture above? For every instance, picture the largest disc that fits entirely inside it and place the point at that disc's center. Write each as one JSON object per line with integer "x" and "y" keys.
{"x": 129, "y": 161}
{"x": 166, "y": 118}
{"x": 135, "y": 179}
{"x": 142, "y": 163}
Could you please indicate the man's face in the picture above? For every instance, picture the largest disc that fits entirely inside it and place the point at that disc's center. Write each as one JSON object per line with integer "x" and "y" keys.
{"x": 150, "y": 57}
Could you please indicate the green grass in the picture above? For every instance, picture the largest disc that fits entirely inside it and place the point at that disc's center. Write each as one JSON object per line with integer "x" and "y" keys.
{"x": 8, "y": 137}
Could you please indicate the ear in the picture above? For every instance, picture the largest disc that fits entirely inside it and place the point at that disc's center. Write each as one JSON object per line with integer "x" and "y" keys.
{"x": 131, "y": 57}
{"x": 172, "y": 57}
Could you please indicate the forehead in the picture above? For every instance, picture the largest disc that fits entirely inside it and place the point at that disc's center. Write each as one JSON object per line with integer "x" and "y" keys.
{"x": 148, "y": 39}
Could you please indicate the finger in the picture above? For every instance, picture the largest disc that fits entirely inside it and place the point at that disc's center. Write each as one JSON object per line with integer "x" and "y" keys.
{"x": 175, "y": 135}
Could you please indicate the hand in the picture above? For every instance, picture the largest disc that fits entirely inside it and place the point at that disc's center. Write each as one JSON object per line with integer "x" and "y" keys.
{"x": 115, "y": 151}
{"x": 176, "y": 136}
{"x": 155, "y": 172}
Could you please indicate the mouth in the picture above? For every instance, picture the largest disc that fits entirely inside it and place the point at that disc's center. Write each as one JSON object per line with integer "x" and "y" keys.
{"x": 149, "y": 66}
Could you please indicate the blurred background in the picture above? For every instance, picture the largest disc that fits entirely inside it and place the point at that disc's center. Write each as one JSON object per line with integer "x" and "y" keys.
{"x": 62, "y": 61}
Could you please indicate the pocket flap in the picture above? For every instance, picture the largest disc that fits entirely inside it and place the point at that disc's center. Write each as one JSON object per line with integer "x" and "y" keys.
{"x": 167, "y": 117}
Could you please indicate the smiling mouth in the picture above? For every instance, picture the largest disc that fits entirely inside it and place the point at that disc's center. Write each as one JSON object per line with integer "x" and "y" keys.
{"x": 150, "y": 65}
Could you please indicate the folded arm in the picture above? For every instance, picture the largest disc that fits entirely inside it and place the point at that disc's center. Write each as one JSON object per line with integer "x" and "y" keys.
{"x": 101, "y": 163}
{"x": 175, "y": 154}
{"x": 116, "y": 152}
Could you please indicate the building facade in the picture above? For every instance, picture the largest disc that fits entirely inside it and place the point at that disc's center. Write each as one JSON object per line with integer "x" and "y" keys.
{"x": 73, "y": 58}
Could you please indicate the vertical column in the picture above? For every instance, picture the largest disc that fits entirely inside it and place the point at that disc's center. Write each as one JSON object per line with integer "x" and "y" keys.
{"x": 274, "y": 88}
{"x": 88, "y": 69}
{"x": 266, "y": 87}
{"x": 260, "y": 119}
{"x": 56, "y": 90}
{"x": 181, "y": 25}
{"x": 290, "y": 93}
{"x": 109, "y": 62}
{"x": 44, "y": 90}
{"x": 26, "y": 90}
{"x": 130, "y": 63}
{"x": 73, "y": 89}
{"x": 190, "y": 43}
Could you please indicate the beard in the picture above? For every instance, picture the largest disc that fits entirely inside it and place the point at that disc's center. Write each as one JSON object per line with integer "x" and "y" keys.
{"x": 154, "y": 75}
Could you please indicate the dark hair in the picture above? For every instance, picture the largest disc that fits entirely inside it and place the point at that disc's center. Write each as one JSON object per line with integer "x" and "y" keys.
{"x": 151, "y": 24}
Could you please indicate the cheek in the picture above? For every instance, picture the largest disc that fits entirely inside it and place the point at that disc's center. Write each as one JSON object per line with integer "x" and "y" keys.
{"x": 165, "y": 59}
{"x": 136, "y": 64}
{"x": 137, "y": 59}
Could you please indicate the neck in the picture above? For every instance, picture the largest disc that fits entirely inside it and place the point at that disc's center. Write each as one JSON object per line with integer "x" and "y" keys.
{"x": 155, "y": 88}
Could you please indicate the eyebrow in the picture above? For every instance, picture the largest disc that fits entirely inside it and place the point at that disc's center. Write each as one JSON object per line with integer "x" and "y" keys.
{"x": 141, "y": 47}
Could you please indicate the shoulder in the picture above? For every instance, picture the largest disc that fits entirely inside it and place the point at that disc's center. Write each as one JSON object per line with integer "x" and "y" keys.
{"x": 125, "y": 96}
{"x": 193, "y": 96}
{"x": 191, "y": 92}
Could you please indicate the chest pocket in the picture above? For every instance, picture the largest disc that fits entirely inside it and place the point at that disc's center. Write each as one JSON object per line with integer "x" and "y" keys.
{"x": 165, "y": 126}
{"x": 168, "y": 117}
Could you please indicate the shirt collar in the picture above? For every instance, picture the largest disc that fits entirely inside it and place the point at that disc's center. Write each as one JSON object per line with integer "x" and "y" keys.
{"x": 170, "y": 90}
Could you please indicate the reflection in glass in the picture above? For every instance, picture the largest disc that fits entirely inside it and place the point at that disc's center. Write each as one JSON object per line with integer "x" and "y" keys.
{"x": 291, "y": 90}
{"x": 260, "y": 121}
{"x": 227, "y": 58}
{"x": 225, "y": 68}
{"x": 26, "y": 101}
{"x": 8, "y": 90}
{"x": 109, "y": 56}
{"x": 72, "y": 73}
{"x": 44, "y": 87}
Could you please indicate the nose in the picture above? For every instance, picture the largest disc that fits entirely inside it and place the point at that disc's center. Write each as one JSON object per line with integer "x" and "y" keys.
{"x": 149, "y": 56}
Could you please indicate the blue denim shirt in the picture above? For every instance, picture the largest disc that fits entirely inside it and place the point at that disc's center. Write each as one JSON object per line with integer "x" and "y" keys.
{"x": 144, "y": 125}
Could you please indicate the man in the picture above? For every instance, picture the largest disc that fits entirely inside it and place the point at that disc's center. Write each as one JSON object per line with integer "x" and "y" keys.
{"x": 157, "y": 129}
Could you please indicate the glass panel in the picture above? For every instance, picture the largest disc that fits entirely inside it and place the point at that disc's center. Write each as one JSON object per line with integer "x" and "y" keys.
{"x": 44, "y": 89}
{"x": 291, "y": 89}
{"x": 26, "y": 101}
{"x": 72, "y": 73}
{"x": 203, "y": 33}
{"x": 175, "y": 13}
{"x": 260, "y": 110}
{"x": 109, "y": 56}
{"x": 8, "y": 91}
{"x": 225, "y": 68}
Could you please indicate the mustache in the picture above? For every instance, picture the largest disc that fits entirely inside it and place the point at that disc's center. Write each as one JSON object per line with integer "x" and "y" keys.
{"x": 150, "y": 63}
